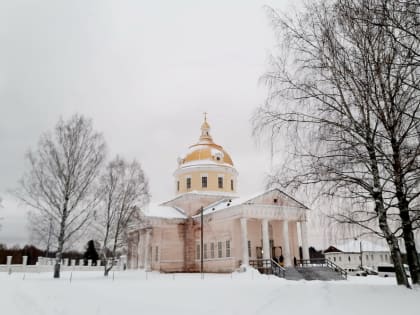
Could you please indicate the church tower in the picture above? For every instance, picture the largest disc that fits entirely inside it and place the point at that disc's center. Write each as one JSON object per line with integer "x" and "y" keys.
{"x": 206, "y": 167}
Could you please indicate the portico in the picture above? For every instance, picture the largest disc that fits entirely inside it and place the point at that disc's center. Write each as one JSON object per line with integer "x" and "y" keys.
{"x": 278, "y": 239}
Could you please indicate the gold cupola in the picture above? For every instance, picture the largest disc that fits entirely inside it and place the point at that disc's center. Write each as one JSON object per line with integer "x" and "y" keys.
{"x": 206, "y": 166}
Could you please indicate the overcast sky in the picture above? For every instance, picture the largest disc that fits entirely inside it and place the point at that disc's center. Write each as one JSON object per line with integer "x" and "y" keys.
{"x": 144, "y": 71}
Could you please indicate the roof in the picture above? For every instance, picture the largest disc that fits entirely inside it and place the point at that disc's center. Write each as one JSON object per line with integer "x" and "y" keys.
{"x": 205, "y": 150}
{"x": 158, "y": 211}
{"x": 353, "y": 246}
{"x": 232, "y": 202}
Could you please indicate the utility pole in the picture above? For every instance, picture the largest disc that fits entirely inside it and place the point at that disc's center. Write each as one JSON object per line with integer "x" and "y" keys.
{"x": 201, "y": 246}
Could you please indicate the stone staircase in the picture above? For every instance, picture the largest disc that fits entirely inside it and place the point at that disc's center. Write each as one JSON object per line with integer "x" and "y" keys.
{"x": 312, "y": 273}
{"x": 315, "y": 269}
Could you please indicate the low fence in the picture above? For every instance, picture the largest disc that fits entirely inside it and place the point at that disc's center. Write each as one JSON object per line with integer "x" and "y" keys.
{"x": 47, "y": 265}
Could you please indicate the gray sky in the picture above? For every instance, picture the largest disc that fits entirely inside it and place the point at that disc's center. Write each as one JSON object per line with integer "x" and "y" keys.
{"x": 144, "y": 71}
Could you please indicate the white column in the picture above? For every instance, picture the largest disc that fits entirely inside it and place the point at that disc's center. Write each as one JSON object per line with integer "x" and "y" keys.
{"x": 304, "y": 236}
{"x": 286, "y": 245}
{"x": 140, "y": 250}
{"x": 9, "y": 260}
{"x": 147, "y": 257}
{"x": 265, "y": 238}
{"x": 24, "y": 260}
{"x": 244, "y": 230}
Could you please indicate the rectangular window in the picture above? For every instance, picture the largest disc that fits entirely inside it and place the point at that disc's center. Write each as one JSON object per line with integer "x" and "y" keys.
{"x": 177, "y": 185}
{"x": 204, "y": 182}
{"x": 220, "y": 182}
{"x": 197, "y": 248}
{"x": 219, "y": 249}
{"x": 205, "y": 251}
{"x": 249, "y": 249}
{"x": 227, "y": 248}
{"x": 157, "y": 253}
{"x": 211, "y": 250}
{"x": 231, "y": 184}
{"x": 188, "y": 183}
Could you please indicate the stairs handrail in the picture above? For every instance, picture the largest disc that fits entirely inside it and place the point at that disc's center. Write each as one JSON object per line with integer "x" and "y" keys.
{"x": 334, "y": 266}
{"x": 323, "y": 262}
{"x": 277, "y": 269}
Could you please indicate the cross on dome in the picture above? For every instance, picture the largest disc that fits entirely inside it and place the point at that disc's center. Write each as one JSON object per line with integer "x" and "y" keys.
{"x": 205, "y": 130}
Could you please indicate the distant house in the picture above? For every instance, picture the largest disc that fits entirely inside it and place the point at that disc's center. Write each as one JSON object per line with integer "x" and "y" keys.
{"x": 354, "y": 254}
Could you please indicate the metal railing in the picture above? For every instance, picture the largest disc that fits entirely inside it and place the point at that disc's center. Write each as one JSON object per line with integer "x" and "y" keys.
{"x": 278, "y": 270}
{"x": 323, "y": 263}
{"x": 267, "y": 266}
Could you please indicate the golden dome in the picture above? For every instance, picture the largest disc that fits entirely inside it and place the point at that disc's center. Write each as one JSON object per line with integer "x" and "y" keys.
{"x": 206, "y": 150}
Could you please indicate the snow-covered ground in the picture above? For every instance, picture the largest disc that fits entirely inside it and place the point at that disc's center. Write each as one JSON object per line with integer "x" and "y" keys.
{"x": 135, "y": 292}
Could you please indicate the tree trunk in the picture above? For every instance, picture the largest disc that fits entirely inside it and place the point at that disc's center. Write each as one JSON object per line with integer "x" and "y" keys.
{"x": 61, "y": 240}
{"x": 410, "y": 247}
{"x": 404, "y": 212}
{"x": 382, "y": 217}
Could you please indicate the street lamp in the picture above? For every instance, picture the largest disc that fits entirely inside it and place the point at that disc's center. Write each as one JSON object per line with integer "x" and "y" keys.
{"x": 361, "y": 253}
{"x": 201, "y": 246}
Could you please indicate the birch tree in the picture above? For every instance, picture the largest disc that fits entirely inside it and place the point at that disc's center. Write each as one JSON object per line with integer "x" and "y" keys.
{"x": 327, "y": 87}
{"x": 59, "y": 182}
{"x": 124, "y": 191}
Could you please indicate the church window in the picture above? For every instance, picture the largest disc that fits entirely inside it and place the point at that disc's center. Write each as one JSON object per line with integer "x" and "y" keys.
{"x": 204, "y": 182}
{"x": 198, "y": 256}
{"x": 334, "y": 258}
{"x": 382, "y": 257}
{"x": 367, "y": 257}
{"x": 211, "y": 250}
{"x": 157, "y": 253}
{"x": 205, "y": 251}
{"x": 231, "y": 184}
{"x": 249, "y": 249}
{"x": 227, "y": 248}
{"x": 219, "y": 249}
{"x": 220, "y": 182}
{"x": 349, "y": 258}
{"x": 339, "y": 258}
{"x": 189, "y": 183}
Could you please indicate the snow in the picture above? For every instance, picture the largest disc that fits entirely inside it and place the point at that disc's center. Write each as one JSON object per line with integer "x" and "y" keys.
{"x": 159, "y": 211}
{"x": 205, "y": 162}
{"x": 137, "y": 292}
{"x": 232, "y": 202}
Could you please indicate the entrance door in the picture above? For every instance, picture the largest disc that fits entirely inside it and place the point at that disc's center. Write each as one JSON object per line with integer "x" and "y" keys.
{"x": 259, "y": 253}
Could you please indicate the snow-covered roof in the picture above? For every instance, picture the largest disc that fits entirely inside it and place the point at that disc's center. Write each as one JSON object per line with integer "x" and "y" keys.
{"x": 205, "y": 162}
{"x": 232, "y": 202}
{"x": 158, "y": 211}
{"x": 353, "y": 246}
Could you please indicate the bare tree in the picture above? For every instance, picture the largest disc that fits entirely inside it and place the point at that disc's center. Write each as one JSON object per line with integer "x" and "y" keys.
{"x": 396, "y": 103}
{"x": 124, "y": 191}
{"x": 59, "y": 181}
{"x": 331, "y": 87}
{"x": 43, "y": 232}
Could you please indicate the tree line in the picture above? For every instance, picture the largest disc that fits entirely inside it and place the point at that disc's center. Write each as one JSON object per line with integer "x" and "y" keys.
{"x": 344, "y": 89}
{"x": 76, "y": 192}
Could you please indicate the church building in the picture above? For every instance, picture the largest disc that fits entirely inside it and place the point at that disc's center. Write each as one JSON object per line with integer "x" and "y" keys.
{"x": 206, "y": 206}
